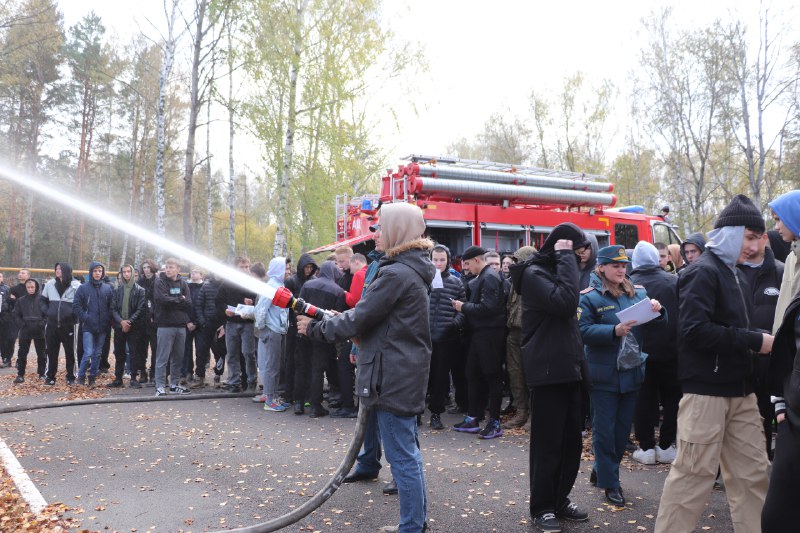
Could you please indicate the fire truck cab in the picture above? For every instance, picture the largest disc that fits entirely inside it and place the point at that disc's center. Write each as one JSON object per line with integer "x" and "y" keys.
{"x": 498, "y": 206}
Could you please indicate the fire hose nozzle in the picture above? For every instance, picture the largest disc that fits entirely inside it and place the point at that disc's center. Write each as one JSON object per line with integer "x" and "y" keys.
{"x": 283, "y": 298}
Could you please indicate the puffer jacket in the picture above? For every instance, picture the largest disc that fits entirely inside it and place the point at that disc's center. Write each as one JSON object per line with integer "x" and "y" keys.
{"x": 28, "y": 316}
{"x": 137, "y": 305}
{"x": 205, "y": 308}
{"x": 92, "y": 303}
{"x": 445, "y": 320}
{"x": 57, "y": 304}
{"x": 597, "y": 319}
{"x": 393, "y": 324}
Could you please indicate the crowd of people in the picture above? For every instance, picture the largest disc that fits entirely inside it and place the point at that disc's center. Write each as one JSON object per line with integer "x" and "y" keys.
{"x": 541, "y": 327}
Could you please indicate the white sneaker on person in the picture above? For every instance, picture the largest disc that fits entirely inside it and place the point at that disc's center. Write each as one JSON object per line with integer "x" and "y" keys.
{"x": 645, "y": 457}
{"x": 666, "y": 456}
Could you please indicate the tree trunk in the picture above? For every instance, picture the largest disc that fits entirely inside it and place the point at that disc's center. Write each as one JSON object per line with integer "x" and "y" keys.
{"x": 209, "y": 183}
{"x": 231, "y": 175}
{"x": 161, "y": 120}
{"x": 280, "y": 248}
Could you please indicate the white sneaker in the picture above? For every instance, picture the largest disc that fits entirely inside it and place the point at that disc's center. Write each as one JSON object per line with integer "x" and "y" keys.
{"x": 161, "y": 392}
{"x": 666, "y": 456}
{"x": 646, "y": 457}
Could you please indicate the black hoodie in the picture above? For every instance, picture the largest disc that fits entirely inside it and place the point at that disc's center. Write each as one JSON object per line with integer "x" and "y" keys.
{"x": 28, "y": 315}
{"x": 551, "y": 345}
{"x": 56, "y": 298}
{"x": 296, "y": 282}
{"x": 698, "y": 239}
{"x": 324, "y": 291}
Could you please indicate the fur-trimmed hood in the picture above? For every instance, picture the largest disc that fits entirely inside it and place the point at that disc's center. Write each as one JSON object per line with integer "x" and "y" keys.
{"x": 417, "y": 244}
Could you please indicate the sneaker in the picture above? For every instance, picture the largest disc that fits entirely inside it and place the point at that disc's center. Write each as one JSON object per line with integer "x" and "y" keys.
{"x": 160, "y": 391}
{"x": 436, "y": 422}
{"x": 114, "y": 384}
{"x": 81, "y": 380}
{"x": 135, "y": 384}
{"x": 70, "y": 381}
{"x": 645, "y": 457}
{"x": 468, "y": 425}
{"x": 491, "y": 430}
{"x": 216, "y": 379}
{"x": 91, "y": 381}
{"x": 18, "y": 380}
{"x": 344, "y": 412}
{"x": 259, "y": 398}
{"x": 178, "y": 389}
{"x": 50, "y": 382}
{"x": 198, "y": 383}
{"x": 273, "y": 406}
{"x": 666, "y": 456}
{"x": 547, "y": 522}
{"x": 283, "y": 402}
{"x": 572, "y": 513}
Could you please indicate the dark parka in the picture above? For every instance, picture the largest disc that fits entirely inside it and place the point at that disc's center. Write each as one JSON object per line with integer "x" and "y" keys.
{"x": 446, "y": 322}
{"x": 137, "y": 305}
{"x": 172, "y": 301}
{"x": 92, "y": 304}
{"x": 552, "y": 351}
{"x": 205, "y": 308}
{"x": 784, "y": 365}
{"x": 28, "y": 315}
{"x": 765, "y": 288}
{"x": 660, "y": 337}
{"x": 486, "y": 304}
{"x": 391, "y": 319}
{"x": 717, "y": 347}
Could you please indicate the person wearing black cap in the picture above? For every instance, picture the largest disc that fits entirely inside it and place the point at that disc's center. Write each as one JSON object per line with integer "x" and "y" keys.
{"x": 486, "y": 317}
{"x": 718, "y": 418}
{"x": 552, "y": 359}
{"x": 615, "y": 380}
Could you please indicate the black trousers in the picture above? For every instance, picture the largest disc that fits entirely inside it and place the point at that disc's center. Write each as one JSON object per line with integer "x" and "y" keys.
{"x": 765, "y": 406}
{"x": 485, "y": 371}
{"x": 104, "y": 364}
{"x": 322, "y": 354}
{"x": 8, "y": 335}
{"x": 660, "y": 386}
{"x": 555, "y": 449}
{"x": 346, "y": 374}
{"x": 439, "y": 376}
{"x": 286, "y": 378}
{"x": 302, "y": 368}
{"x": 55, "y": 338}
{"x": 150, "y": 341}
{"x": 132, "y": 341}
{"x": 458, "y": 370}
{"x": 784, "y": 482}
{"x": 22, "y": 356}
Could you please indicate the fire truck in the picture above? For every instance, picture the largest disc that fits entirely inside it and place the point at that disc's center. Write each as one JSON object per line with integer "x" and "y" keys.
{"x": 497, "y": 206}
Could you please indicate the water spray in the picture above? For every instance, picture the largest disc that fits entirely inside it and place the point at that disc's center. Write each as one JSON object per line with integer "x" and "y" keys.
{"x": 281, "y": 297}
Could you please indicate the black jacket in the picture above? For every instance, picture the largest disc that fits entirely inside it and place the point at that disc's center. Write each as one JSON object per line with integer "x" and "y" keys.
{"x": 660, "y": 337}
{"x": 296, "y": 282}
{"x": 137, "y": 306}
{"x": 765, "y": 287}
{"x": 148, "y": 285}
{"x": 18, "y": 292}
{"x": 551, "y": 345}
{"x": 205, "y": 308}
{"x": 172, "y": 301}
{"x": 323, "y": 291}
{"x": 486, "y": 305}
{"x": 5, "y": 303}
{"x": 784, "y": 366}
{"x": 28, "y": 316}
{"x": 445, "y": 320}
{"x": 717, "y": 341}
{"x": 233, "y": 295}
{"x": 194, "y": 290}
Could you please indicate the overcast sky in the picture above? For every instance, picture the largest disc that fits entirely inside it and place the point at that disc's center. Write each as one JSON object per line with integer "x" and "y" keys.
{"x": 484, "y": 57}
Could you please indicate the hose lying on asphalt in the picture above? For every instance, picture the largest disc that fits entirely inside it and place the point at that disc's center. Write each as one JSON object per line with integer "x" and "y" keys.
{"x": 275, "y": 524}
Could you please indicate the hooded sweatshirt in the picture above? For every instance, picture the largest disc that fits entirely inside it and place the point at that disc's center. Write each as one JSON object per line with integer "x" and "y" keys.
{"x": 93, "y": 302}
{"x": 28, "y": 315}
{"x": 324, "y": 291}
{"x": 660, "y": 337}
{"x": 698, "y": 239}
{"x": 269, "y": 316}
{"x": 514, "y": 306}
{"x": 587, "y": 269}
{"x": 296, "y": 282}
{"x": 57, "y": 296}
{"x": 787, "y": 207}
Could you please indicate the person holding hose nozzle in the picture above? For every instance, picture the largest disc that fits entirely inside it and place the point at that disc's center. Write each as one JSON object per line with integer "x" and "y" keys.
{"x": 391, "y": 325}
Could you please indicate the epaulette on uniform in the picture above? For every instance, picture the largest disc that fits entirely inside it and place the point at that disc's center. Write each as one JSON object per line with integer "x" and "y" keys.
{"x": 638, "y": 286}
{"x": 587, "y": 290}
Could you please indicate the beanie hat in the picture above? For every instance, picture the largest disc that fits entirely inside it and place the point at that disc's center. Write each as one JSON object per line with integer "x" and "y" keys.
{"x": 472, "y": 252}
{"x": 612, "y": 254}
{"x": 741, "y": 212}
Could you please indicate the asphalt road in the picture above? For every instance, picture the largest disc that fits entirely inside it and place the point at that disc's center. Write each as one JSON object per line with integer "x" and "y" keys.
{"x": 209, "y": 465}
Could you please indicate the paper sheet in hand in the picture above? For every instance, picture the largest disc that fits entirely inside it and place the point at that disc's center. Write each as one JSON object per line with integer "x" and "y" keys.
{"x": 243, "y": 310}
{"x": 641, "y": 312}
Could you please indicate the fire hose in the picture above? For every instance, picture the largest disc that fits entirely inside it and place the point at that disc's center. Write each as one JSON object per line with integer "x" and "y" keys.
{"x": 283, "y": 298}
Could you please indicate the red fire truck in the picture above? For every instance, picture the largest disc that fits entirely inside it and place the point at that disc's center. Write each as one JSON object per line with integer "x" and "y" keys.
{"x": 497, "y": 206}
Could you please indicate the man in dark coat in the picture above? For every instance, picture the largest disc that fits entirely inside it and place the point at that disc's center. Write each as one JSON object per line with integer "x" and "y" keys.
{"x": 129, "y": 310}
{"x": 552, "y": 355}
{"x": 92, "y": 306}
{"x": 56, "y": 302}
{"x": 30, "y": 325}
{"x": 298, "y": 348}
{"x": 172, "y": 301}
{"x": 391, "y": 321}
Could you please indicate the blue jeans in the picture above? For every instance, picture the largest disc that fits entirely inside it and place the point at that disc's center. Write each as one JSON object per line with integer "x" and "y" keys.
{"x": 369, "y": 459}
{"x": 92, "y": 345}
{"x": 399, "y": 435}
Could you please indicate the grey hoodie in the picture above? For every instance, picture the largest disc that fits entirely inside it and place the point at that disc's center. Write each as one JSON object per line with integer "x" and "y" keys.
{"x": 726, "y": 244}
